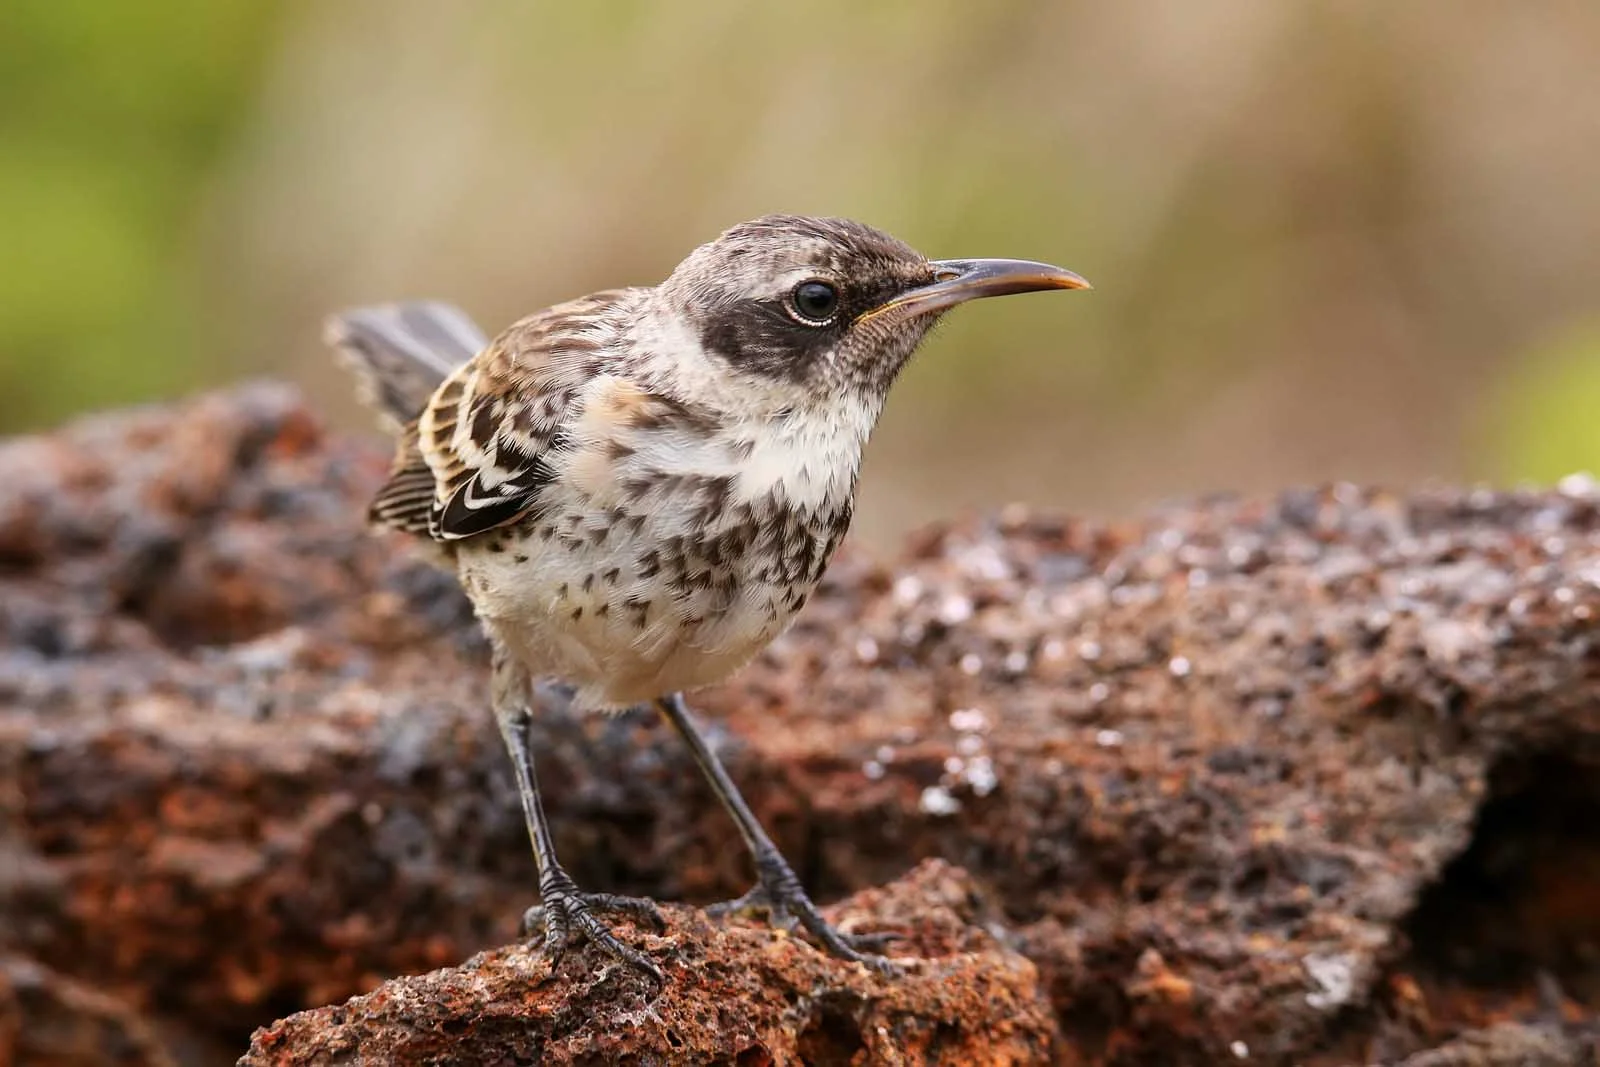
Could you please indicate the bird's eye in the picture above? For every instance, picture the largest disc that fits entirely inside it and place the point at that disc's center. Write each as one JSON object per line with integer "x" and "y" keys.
{"x": 815, "y": 302}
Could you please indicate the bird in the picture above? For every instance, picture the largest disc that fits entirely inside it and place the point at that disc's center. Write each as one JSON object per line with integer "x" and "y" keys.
{"x": 638, "y": 490}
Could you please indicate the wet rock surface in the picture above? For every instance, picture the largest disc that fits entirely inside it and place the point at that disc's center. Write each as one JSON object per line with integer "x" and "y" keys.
{"x": 1306, "y": 780}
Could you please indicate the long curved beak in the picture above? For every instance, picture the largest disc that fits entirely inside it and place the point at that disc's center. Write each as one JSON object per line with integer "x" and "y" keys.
{"x": 958, "y": 280}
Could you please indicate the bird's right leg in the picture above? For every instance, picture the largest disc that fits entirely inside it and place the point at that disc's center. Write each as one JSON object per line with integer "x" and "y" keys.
{"x": 565, "y": 911}
{"x": 778, "y": 891}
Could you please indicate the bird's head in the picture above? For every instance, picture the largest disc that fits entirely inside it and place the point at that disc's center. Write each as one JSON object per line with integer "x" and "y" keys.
{"x": 829, "y": 304}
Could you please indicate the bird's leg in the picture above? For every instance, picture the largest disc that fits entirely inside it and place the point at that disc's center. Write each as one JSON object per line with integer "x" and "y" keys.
{"x": 565, "y": 912}
{"x": 777, "y": 891}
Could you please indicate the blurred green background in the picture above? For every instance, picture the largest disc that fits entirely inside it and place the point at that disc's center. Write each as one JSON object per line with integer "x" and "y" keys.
{"x": 1353, "y": 240}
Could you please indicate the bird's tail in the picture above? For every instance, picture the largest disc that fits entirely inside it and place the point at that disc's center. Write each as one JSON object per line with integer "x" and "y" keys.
{"x": 400, "y": 353}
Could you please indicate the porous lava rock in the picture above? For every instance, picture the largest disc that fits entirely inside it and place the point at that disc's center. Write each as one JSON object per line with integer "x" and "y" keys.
{"x": 1310, "y": 779}
{"x": 735, "y": 994}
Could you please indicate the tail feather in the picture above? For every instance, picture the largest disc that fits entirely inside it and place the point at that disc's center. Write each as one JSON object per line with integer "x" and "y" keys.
{"x": 400, "y": 353}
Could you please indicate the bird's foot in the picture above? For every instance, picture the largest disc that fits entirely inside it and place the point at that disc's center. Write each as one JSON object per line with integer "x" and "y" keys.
{"x": 779, "y": 895}
{"x": 566, "y": 915}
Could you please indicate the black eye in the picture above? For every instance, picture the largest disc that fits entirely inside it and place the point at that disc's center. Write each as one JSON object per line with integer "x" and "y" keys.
{"x": 815, "y": 301}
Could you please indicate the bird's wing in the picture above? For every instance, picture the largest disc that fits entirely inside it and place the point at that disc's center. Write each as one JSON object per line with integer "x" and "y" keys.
{"x": 488, "y": 435}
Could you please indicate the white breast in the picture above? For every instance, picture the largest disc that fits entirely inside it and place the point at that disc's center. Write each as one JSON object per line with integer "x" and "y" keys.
{"x": 600, "y": 612}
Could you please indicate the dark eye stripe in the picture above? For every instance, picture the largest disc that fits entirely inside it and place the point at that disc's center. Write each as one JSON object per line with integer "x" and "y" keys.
{"x": 767, "y": 336}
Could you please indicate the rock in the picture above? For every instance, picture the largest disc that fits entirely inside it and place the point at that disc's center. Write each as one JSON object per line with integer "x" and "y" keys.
{"x": 735, "y": 994}
{"x": 1513, "y": 1045}
{"x": 47, "y": 1020}
{"x": 1309, "y": 781}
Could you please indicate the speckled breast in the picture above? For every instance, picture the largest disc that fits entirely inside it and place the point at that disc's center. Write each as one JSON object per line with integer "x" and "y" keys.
{"x": 631, "y": 604}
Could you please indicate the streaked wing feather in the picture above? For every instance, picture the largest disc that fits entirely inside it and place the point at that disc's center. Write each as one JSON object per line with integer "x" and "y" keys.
{"x": 475, "y": 506}
{"x": 405, "y": 502}
{"x": 490, "y": 432}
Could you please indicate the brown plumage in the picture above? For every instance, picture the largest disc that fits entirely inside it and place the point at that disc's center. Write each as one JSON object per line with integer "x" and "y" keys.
{"x": 640, "y": 488}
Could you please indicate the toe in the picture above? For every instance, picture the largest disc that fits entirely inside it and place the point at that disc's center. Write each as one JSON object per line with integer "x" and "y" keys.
{"x": 556, "y": 937}
{"x": 568, "y": 916}
{"x": 881, "y": 964}
{"x": 640, "y": 909}
{"x": 753, "y": 901}
{"x": 597, "y": 933}
{"x": 876, "y": 941}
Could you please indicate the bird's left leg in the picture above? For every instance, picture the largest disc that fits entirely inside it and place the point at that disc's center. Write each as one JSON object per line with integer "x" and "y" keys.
{"x": 565, "y": 911}
{"x": 778, "y": 891}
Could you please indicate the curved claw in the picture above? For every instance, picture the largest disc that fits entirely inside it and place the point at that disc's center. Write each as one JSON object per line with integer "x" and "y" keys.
{"x": 568, "y": 915}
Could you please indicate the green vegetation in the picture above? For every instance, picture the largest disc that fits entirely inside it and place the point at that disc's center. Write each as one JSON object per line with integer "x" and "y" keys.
{"x": 1327, "y": 242}
{"x": 114, "y": 116}
{"x": 1550, "y": 418}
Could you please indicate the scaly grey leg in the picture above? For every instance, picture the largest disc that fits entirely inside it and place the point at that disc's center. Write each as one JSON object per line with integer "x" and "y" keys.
{"x": 564, "y": 910}
{"x": 777, "y": 891}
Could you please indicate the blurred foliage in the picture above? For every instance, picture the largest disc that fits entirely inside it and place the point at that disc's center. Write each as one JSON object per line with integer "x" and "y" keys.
{"x": 1327, "y": 240}
{"x": 1549, "y": 423}
{"x": 114, "y": 116}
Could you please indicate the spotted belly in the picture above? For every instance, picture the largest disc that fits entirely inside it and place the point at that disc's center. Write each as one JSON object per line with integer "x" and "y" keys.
{"x": 628, "y": 611}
